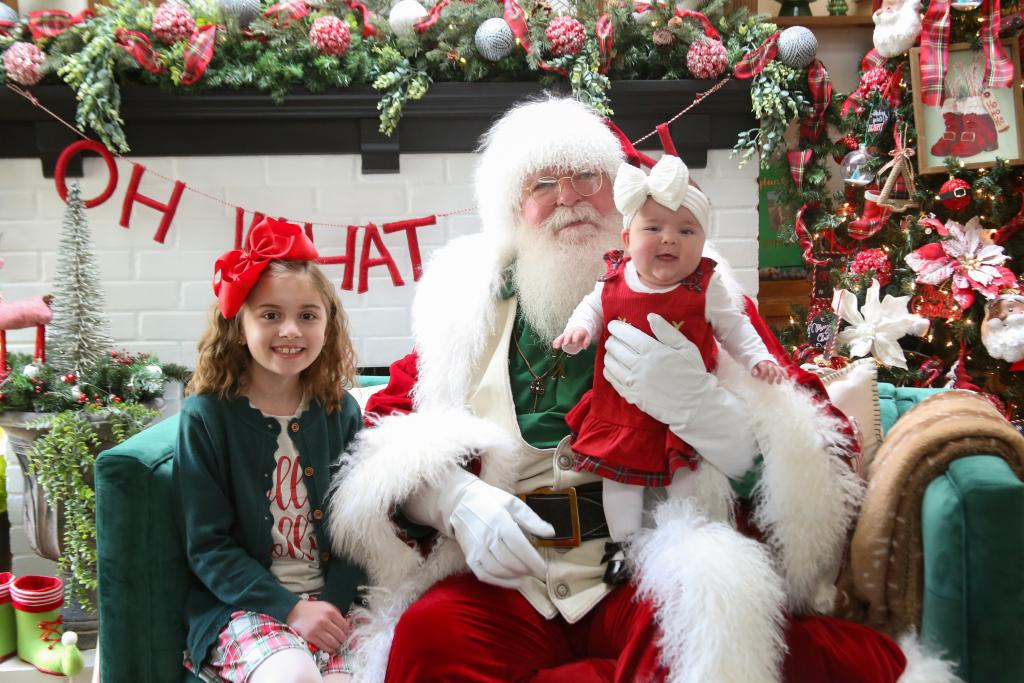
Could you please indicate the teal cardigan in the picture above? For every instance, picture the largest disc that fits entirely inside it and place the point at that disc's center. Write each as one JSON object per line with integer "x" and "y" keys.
{"x": 223, "y": 467}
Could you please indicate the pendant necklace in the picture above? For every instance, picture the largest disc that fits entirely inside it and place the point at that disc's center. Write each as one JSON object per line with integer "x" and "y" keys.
{"x": 557, "y": 371}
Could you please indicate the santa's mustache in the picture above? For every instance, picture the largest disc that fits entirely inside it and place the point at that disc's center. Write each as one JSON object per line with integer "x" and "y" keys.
{"x": 563, "y": 216}
{"x": 1004, "y": 339}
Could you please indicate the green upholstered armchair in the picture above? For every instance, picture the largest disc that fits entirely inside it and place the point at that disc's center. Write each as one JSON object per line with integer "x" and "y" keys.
{"x": 973, "y": 525}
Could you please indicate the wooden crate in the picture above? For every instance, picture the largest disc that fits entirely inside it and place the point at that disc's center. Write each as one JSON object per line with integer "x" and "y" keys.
{"x": 774, "y": 298}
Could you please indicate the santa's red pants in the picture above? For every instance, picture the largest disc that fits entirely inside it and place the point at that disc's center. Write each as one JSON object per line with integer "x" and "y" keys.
{"x": 463, "y": 630}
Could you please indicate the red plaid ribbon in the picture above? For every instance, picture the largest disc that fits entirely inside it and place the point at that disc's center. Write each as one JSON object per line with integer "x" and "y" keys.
{"x": 804, "y": 235}
{"x": 138, "y": 46}
{"x": 754, "y": 61}
{"x": 998, "y": 67}
{"x": 934, "y": 52}
{"x": 820, "y": 86}
{"x": 49, "y": 23}
{"x": 604, "y": 30}
{"x": 8, "y": 28}
{"x": 798, "y": 159}
{"x": 198, "y": 53}
{"x": 368, "y": 17}
{"x": 702, "y": 19}
{"x": 1013, "y": 226}
{"x": 872, "y": 59}
{"x": 284, "y": 13}
{"x": 432, "y": 17}
{"x": 516, "y": 18}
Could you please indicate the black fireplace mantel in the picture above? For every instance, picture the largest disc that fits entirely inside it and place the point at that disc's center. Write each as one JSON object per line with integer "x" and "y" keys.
{"x": 450, "y": 118}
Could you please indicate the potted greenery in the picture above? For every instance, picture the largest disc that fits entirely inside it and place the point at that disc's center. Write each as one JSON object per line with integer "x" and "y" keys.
{"x": 59, "y": 415}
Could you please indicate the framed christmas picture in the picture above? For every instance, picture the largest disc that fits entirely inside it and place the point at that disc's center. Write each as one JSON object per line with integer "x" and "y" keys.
{"x": 974, "y": 122}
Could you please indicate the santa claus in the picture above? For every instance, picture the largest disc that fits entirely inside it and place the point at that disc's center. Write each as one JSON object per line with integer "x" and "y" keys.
{"x": 1002, "y": 332}
{"x": 486, "y": 549}
{"x": 897, "y": 26}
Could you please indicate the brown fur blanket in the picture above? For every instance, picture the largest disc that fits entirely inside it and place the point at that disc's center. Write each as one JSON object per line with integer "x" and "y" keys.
{"x": 884, "y": 580}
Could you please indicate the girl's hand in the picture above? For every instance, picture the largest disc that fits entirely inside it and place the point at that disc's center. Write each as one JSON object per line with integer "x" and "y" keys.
{"x": 319, "y": 623}
{"x": 769, "y": 372}
{"x": 572, "y": 341}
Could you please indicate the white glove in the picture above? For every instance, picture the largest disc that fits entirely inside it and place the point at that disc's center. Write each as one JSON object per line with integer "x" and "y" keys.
{"x": 665, "y": 377}
{"x": 488, "y": 524}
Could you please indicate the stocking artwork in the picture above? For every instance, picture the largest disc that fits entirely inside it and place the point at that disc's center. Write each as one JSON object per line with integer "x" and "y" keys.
{"x": 969, "y": 128}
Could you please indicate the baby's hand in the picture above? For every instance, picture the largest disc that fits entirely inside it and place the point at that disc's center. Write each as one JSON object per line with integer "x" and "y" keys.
{"x": 572, "y": 341}
{"x": 769, "y": 372}
{"x": 320, "y": 623}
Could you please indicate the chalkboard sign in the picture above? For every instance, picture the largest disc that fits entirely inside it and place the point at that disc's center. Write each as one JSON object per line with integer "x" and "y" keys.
{"x": 821, "y": 329}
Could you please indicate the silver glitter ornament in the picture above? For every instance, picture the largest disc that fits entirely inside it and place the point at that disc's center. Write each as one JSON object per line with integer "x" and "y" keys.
{"x": 797, "y": 47}
{"x": 243, "y": 11}
{"x": 494, "y": 39}
{"x": 7, "y": 13}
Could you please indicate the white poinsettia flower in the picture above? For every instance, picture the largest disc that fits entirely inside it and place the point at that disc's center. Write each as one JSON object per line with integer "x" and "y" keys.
{"x": 977, "y": 255}
{"x": 876, "y": 327}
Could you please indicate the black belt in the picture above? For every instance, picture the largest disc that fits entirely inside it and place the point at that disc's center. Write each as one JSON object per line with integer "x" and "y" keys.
{"x": 576, "y": 513}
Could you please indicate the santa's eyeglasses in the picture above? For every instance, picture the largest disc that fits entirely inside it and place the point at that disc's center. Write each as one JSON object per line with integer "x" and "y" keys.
{"x": 584, "y": 183}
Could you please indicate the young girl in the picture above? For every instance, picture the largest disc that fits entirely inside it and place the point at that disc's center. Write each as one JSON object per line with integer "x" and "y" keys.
{"x": 260, "y": 437}
{"x": 664, "y": 221}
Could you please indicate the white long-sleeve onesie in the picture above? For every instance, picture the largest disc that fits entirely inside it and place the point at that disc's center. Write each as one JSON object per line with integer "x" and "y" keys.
{"x": 731, "y": 326}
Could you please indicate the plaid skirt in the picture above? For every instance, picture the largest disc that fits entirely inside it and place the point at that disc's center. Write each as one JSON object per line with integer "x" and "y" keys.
{"x": 247, "y": 641}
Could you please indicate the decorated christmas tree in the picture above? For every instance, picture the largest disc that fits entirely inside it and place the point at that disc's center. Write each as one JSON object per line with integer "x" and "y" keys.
{"x": 78, "y": 336}
{"x": 916, "y": 260}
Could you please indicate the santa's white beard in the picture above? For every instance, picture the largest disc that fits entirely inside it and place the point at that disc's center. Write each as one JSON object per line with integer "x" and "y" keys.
{"x": 557, "y": 266}
{"x": 897, "y": 31}
{"x": 1004, "y": 339}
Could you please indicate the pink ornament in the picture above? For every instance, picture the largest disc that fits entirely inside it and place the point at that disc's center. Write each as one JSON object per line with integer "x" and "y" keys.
{"x": 23, "y": 62}
{"x": 172, "y": 22}
{"x": 330, "y": 35}
{"x": 707, "y": 58}
{"x": 875, "y": 78}
{"x": 873, "y": 262}
{"x": 566, "y": 36}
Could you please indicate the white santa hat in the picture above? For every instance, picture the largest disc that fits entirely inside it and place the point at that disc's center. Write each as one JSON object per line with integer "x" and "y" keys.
{"x": 556, "y": 133}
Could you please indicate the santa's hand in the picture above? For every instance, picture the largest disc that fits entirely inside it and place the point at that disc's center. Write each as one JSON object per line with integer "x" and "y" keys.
{"x": 488, "y": 524}
{"x": 664, "y": 375}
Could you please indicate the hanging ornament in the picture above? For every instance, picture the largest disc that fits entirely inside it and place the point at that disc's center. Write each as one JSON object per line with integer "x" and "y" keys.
{"x": 854, "y": 167}
{"x": 847, "y": 144}
{"x": 23, "y": 63}
{"x": 330, "y": 36}
{"x": 932, "y": 302}
{"x": 240, "y": 11}
{"x": 30, "y": 371}
{"x": 172, "y": 22}
{"x": 494, "y": 39}
{"x": 566, "y": 36}
{"x": 707, "y": 58}
{"x": 8, "y": 14}
{"x": 1002, "y": 331}
{"x": 873, "y": 262}
{"x": 955, "y": 194}
{"x": 404, "y": 15}
{"x": 663, "y": 40}
{"x": 897, "y": 26}
{"x": 797, "y": 47}
{"x": 898, "y": 191}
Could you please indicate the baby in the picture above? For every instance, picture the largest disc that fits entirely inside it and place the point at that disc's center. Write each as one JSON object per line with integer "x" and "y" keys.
{"x": 664, "y": 219}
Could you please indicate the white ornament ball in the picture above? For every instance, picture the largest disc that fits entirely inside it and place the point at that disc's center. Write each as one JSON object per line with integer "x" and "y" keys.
{"x": 154, "y": 370}
{"x": 854, "y": 167}
{"x": 404, "y": 15}
{"x": 76, "y": 392}
{"x": 7, "y": 13}
{"x": 30, "y": 371}
{"x": 244, "y": 11}
{"x": 494, "y": 39}
{"x": 797, "y": 47}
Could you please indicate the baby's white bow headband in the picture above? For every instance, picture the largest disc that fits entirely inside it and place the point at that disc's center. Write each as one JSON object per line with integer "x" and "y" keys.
{"x": 668, "y": 184}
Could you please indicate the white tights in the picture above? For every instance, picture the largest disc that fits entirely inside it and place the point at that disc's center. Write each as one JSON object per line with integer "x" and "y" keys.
{"x": 293, "y": 666}
{"x": 624, "y": 503}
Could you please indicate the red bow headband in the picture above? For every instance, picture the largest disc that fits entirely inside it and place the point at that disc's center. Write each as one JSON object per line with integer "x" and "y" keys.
{"x": 236, "y": 272}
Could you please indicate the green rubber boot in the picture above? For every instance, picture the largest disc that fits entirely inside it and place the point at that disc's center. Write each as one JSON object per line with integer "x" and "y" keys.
{"x": 41, "y": 639}
{"x": 8, "y": 626}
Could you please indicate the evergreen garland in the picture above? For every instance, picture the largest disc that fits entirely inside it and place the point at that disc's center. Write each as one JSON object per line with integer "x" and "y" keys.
{"x": 78, "y": 335}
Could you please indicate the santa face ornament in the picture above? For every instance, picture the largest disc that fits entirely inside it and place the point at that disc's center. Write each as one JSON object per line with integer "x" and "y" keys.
{"x": 1002, "y": 331}
{"x": 897, "y": 26}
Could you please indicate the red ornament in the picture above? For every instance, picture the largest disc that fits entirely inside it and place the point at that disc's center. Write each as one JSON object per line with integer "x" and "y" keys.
{"x": 172, "y": 22}
{"x": 82, "y": 398}
{"x": 847, "y": 144}
{"x": 24, "y": 63}
{"x": 873, "y": 262}
{"x": 116, "y": 399}
{"x": 69, "y": 378}
{"x": 932, "y": 302}
{"x": 330, "y": 35}
{"x": 707, "y": 58}
{"x": 566, "y": 36}
{"x": 955, "y": 194}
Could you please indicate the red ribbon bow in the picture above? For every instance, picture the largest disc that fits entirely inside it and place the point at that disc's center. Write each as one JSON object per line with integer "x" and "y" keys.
{"x": 49, "y": 23}
{"x": 239, "y": 270}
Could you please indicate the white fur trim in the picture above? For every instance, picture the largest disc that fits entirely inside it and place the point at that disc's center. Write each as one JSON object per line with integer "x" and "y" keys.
{"x": 716, "y": 597}
{"x": 453, "y": 317}
{"x": 555, "y": 132}
{"x": 807, "y": 498}
{"x": 923, "y": 667}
